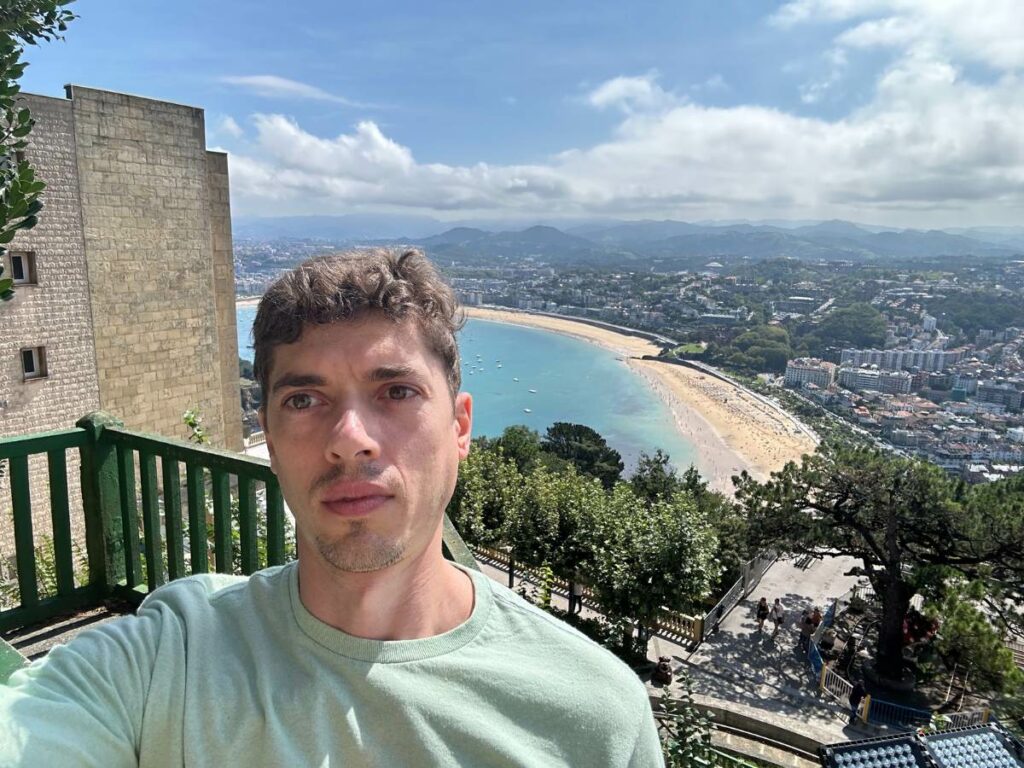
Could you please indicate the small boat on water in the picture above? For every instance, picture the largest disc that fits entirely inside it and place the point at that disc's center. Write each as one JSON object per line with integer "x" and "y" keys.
{"x": 514, "y": 379}
{"x": 527, "y": 410}
{"x": 533, "y": 391}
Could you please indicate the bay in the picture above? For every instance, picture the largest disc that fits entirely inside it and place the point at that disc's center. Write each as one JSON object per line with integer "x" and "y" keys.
{"x": 575, "y": 381}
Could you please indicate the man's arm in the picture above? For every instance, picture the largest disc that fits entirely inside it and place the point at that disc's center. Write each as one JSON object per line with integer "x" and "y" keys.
{"x": 82, "y": 705}
{"x": 647, "y": 752}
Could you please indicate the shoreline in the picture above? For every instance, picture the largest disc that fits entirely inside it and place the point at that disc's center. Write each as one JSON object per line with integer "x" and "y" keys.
{"x": 729, "y": 430}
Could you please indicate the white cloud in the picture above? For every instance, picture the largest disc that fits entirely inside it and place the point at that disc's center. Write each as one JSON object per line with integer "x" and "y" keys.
{"x": 631, "y": 94}
{"x": 835, "y": 64}
{"x": 227, "y": 126}
{"x": 989, "y": 32}
{"x": 272, "y": 86}
{"x": 930, "y": 147}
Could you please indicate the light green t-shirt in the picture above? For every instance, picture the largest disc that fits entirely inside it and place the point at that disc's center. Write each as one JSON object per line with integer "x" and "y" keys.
{"x": 228, "y": 671}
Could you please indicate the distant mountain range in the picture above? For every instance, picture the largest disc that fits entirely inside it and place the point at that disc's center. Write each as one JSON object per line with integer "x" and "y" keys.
{"x": 623, "y": 242}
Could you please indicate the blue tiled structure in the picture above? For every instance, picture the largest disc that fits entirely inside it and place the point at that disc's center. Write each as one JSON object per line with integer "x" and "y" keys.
{"x": 982, "y": 746}
{"x": 978, "y": 748}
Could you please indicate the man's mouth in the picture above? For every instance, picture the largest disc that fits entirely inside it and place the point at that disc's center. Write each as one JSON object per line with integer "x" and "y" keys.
{"x": 354, "y": 499}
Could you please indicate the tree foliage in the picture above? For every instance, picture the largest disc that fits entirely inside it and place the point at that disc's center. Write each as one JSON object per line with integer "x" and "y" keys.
{"x": 655, "y": 477}
{"x": 22, "y": 22}
{"x": 763, "y": 348}
{"x": 859, "y": 325}
{"x": 522, "y": 445}
{"x": 969, "y": 639}
{"x": 893, "y": 514}
{"x": 585, "y": 449}
{"x": 653, "y": 556}
{"x": 639, "y": 552}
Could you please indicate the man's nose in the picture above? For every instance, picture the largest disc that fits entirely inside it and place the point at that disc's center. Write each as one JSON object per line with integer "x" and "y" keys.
{"x": 350, "y": 438}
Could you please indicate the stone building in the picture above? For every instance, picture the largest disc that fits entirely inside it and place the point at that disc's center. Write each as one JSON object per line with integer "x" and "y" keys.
{"x": 125, "y": 299}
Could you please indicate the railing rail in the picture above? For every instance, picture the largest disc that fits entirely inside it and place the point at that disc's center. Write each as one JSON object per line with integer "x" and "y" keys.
{"x": 689, "y": 628}
{"x": 176, "y": 538}
{"x": 155, "y": 509}
{"x": 1017, "y": 649}
{"x": 835, "y": 685}
{"x": 890, "y": 713}
{"x": 34, "y": 600}
{"x": 752, "y": 571}
{"x": 971, "y": 717}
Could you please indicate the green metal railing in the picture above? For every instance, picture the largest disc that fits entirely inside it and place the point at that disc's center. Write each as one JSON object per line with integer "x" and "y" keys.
{"x": 150, "y": 506}
{"x": 33, "y": 607}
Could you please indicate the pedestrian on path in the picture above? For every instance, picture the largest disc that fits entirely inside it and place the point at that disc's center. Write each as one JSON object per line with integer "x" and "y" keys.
{"x": 778, "y": 616}
{"x": 806, "y": 630}
{"x": 856, "y": 696}
{"x": 575, "y": 597}
{"x": 762, "y": 613}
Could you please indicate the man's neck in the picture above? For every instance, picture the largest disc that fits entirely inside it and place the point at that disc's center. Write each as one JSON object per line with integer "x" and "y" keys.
{"x": 422, "y": 597}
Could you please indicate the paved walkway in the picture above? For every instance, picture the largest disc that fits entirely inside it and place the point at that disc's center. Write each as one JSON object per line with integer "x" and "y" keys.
{"x": 755, "y": 670}
{"x": 751, "y": 673}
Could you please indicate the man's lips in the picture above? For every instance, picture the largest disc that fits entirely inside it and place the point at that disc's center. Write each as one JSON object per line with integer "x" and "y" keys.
{"x": 354, "y": 499}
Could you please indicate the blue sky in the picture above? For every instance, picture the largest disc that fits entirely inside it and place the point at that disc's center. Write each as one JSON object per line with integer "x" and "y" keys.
{"x": 884, "y": 111}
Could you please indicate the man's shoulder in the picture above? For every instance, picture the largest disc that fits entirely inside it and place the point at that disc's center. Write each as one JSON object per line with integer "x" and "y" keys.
{"x": 211, "y": 590}
{"x": 546, "y": 639}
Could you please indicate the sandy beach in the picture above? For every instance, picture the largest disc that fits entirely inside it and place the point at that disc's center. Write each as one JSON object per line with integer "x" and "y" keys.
{"x": 730, "y": 429}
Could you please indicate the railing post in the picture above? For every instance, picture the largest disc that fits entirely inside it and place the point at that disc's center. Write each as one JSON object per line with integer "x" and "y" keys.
{"x": 698, "y": 630}
{"x": 985, "y": 715}
{"x": 866, "y": 707}
{"x": 103, "y": 534}
{"x": 824, "y": 674}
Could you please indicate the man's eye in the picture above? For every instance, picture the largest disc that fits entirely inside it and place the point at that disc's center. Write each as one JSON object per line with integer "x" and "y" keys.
{"x": 300, "y": 401}
{"x": 400, "y": 392}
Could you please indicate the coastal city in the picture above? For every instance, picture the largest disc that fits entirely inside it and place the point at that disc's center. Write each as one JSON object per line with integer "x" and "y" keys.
{"x": 514, "y": 386}
{"x": 931, "y": 367}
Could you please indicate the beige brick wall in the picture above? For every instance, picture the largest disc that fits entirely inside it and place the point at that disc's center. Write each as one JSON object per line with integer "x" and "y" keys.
{"x": 224, "y": 291}
{"x": 54, "y": 314}
{"x": 142, "y": 166}
{"x": 136, "y": 233}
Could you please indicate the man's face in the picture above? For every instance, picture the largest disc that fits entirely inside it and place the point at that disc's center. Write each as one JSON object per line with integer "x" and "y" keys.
{"x": 364, "y": 440}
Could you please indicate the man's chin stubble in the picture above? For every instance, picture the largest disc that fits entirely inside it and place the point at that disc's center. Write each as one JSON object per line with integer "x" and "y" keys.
{"x": 359, "y": 552}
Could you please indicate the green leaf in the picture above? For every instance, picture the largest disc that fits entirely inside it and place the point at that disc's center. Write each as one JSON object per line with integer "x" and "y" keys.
{"x": 6, "y": 284}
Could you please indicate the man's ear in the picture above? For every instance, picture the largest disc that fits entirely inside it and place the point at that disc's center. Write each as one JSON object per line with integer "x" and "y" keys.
{"x": 463, "y": 422}
{"x": 261, "y": 415}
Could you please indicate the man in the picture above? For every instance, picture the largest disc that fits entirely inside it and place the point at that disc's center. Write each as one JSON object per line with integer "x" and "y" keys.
{"x": 371, "y": 649}
{"x": 806, "y": 630}
{"x": 778, "y": 616}
{"x": 857, "y": 694}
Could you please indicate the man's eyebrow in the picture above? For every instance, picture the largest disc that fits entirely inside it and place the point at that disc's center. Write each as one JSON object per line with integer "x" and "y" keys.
{"x": 391, "y": 372}
{"x": 298, "y": 380}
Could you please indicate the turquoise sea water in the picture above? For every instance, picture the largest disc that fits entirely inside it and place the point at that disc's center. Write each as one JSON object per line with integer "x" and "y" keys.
{"x": 574, "y": 381}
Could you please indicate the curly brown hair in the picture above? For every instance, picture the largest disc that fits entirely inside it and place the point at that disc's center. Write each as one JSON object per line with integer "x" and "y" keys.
{"x": 396, "y": 284}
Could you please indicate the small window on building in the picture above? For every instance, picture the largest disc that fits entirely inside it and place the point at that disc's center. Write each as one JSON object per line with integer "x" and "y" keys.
{"x": 33, "y": 362}
{"x": 23, "y": 267}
